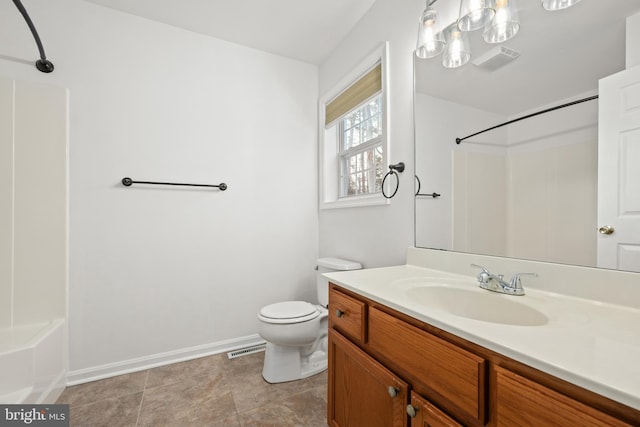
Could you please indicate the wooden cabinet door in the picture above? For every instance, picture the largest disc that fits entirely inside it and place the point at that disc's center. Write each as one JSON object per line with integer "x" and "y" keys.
{"x": 362, "y": 392}
{"x": 427, "y": 415}
{"x": 523, "y": 402}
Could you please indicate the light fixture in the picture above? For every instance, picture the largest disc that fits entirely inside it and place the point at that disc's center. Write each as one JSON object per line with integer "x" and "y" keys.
{"x": 430, "y": 40}
{"x": 558, "y": 4}
{"x": 498, "y": 17}
{"x": 504, "y": 25}
{"x": 474, "y": 14}
{"x": 456, "y": 52}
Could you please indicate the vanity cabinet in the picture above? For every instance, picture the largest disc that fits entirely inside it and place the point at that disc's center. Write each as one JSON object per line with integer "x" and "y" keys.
{"x": 390, "y": 369}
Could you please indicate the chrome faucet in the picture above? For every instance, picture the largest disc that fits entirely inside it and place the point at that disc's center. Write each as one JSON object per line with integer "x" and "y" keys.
{"x": 496, "y": 283}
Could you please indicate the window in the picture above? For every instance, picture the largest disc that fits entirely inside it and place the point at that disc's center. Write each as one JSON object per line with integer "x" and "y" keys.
{"x": 360, "y": 150}
{"x": 354, "y": 148}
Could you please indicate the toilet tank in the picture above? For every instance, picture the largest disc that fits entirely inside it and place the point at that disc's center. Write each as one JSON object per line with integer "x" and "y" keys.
{"x": 326, "y": 265}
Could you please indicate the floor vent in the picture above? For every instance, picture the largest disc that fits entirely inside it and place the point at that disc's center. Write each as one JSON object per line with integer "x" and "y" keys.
{"x": 247, "y": 351}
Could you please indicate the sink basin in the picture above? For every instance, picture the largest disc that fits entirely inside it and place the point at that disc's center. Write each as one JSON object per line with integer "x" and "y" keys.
{"x": 477, "y": 304}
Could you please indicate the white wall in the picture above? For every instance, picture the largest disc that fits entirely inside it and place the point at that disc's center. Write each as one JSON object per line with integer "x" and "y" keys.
{"x": 161, "y": 273}
{"x": 632, "y": 46}
{"x": 378, "y": 235}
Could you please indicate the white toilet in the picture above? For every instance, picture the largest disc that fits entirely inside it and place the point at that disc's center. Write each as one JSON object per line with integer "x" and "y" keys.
{"x": 296, "y": 331}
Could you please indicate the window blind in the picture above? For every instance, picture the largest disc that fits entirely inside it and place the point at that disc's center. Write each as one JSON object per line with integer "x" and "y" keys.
{"x": 361, "y": 90}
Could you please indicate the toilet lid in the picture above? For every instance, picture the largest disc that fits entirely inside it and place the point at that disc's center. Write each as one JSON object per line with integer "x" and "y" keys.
{"x": 289, "y": 312}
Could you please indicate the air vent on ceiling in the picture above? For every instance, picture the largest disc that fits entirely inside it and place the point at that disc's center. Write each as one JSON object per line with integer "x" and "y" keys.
{"x": 495, "y": 58}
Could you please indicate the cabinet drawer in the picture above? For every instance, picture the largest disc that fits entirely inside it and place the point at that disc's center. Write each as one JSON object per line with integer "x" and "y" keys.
{"x": 453, "y": 378}
{"x": 523, "y": 402}
{"x": 347, "y": 315}
{"x": 426, "y": 414}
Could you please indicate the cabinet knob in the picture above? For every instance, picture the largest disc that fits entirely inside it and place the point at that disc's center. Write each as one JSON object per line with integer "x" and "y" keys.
{"x": 411, "y": 411}
{"x": 393, "y": 392}
{"x": 339, "y": 313}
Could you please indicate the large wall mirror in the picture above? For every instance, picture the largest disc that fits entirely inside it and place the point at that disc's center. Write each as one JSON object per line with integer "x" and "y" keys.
{"x": 529, "y": 189}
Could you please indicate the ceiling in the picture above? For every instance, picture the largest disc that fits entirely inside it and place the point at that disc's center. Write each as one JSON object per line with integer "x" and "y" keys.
{"x": 306, "y": 30}
{"x": 562, "y": 54}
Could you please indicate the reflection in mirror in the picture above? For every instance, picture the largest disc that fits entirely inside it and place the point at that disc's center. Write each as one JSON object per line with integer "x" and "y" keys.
{"x": 529, "y": 189}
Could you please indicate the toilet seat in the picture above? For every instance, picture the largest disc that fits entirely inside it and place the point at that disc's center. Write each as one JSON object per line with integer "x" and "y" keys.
{"x": 288, "y": 312}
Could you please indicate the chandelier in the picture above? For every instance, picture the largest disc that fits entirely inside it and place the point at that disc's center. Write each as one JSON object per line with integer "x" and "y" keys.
{"x": 497, "y": 18}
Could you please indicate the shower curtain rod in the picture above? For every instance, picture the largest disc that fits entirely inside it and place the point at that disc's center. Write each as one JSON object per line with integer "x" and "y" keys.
{"x": 42, "y": 64}
{"x": 568, "y": 104}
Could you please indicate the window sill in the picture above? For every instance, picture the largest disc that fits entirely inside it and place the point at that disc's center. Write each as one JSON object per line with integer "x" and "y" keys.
{"x": 356, "y": 201}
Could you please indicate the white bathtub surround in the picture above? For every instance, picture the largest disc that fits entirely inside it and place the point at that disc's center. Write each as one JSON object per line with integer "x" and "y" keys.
{"x": 590, "y": 336}
{"x": 33, "y": 241}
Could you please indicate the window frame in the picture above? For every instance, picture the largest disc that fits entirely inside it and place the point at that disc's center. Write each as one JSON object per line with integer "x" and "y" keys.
{"x": 329, "y": 152}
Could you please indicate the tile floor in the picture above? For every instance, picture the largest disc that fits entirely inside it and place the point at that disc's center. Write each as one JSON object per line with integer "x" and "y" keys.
{"x": 211, "y": 391}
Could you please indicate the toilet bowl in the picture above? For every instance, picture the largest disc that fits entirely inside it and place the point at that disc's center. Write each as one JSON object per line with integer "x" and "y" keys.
{"x": 296, "y": 331}
{"x": 295, "y": 348}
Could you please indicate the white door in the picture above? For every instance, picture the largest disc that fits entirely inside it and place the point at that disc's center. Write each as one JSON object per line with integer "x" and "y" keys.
{"x": 619, "y": 171}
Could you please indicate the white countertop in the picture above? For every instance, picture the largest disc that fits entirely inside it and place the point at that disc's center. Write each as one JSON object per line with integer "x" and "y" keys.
{"x": 591, "y": 344}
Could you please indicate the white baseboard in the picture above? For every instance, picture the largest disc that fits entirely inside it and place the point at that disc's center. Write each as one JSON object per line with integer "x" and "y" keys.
{"x": 139, "y": 364}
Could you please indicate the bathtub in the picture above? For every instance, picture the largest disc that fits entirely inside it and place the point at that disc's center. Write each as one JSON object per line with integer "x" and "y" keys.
{"x": 33, "y": 363}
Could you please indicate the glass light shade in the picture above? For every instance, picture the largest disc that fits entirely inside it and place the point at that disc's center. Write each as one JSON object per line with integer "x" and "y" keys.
{"x": 474, "y": 14}
{"x": 558, "y": 4}
{"x": 504, "y": 25}
{"x": 430, "y": 41}
{"x": 457, "y": 51}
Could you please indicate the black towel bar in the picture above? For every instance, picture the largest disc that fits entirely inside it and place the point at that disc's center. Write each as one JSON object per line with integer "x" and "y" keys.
{"x": 418, "y": 193}
{"x": 128, "y": 181}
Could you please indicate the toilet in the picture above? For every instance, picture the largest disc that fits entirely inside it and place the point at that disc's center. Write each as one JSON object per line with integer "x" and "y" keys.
{"x": 296, "y": 331}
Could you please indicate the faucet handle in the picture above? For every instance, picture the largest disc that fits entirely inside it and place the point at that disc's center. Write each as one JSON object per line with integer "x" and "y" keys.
{"x": 515, "y": 280}
{"x": 484, "y": 275}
